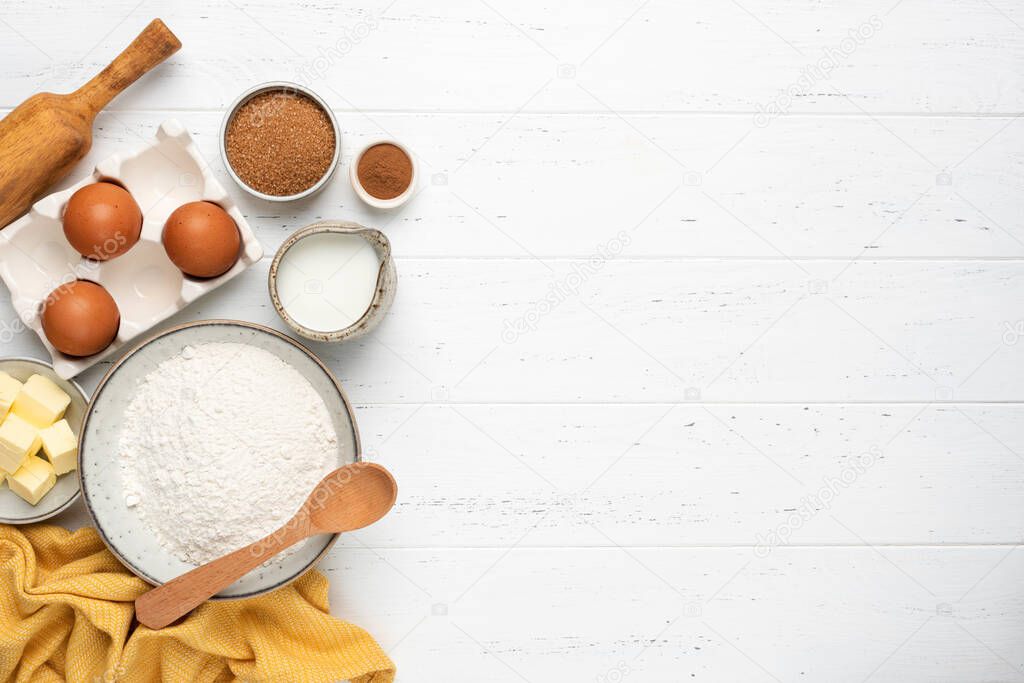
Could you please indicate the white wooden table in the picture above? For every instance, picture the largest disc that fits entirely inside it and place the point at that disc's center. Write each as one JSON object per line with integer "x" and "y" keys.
{"x": 704, "y": 362}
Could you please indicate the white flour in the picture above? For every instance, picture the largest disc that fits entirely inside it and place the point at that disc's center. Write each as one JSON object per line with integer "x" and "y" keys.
{"x": 220, "y": 446}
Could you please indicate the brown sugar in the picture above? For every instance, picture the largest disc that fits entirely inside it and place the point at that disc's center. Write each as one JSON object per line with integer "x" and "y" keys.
{"x": 280, "y": 143}
{"x": 385, "y": 171}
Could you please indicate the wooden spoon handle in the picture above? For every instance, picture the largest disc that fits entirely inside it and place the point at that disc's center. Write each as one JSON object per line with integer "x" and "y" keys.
{"x": 167, "y": 603}
{"x": 155, "y": 44}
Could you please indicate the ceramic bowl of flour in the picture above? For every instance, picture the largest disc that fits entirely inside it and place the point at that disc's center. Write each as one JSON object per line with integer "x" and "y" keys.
{"x": 206, "y": 438}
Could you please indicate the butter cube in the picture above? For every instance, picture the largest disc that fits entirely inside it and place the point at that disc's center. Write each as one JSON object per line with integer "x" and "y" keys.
{"x": 18, "y": 440}
{"x": 9, "y": 388}
{"x": 33, "y": 480}
{"x": 41, "y": 402}
{"x": 60, "y": 446}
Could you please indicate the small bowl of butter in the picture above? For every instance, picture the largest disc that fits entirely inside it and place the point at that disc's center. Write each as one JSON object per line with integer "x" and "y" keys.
{"x": 333, "y": 280}
{"x": 40, "y": 421}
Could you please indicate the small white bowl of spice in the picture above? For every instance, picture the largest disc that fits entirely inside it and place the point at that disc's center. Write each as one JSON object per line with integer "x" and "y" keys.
{"x": 280, "y": 141}
{"x": 384, "y": 174}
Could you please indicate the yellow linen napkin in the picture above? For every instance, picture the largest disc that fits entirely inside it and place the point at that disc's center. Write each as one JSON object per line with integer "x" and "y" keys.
{"x": 67, "y": 613}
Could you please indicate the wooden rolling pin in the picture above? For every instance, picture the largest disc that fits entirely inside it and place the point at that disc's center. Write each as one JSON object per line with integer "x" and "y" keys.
{"x": 47, "y": 134}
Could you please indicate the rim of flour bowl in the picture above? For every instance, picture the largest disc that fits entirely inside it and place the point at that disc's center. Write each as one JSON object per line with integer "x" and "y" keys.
{"x": 177, "y": 328}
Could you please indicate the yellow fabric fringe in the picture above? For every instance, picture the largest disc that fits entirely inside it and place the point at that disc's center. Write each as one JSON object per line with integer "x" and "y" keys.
{"x": 67, "y": 614}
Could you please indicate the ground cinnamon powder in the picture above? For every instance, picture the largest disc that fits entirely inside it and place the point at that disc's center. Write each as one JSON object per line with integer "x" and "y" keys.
{"x": 384, "y": 171}
{"x": 280, "y": 143}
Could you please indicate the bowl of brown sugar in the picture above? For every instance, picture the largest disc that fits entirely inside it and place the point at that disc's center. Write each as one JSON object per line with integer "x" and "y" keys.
{"x": 280, "y": 141}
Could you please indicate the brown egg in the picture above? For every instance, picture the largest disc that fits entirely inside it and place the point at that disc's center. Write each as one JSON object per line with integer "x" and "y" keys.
{"x": 102, "y": 221}
{"x": 80, "y": 318}
{"x": 201, "y": 239}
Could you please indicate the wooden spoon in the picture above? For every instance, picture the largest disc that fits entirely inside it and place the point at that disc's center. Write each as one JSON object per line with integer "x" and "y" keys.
{"x": 347, "y": 499}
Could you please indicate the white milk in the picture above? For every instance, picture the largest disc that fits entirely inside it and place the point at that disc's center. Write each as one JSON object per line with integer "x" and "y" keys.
{"x": 327, "y": 281}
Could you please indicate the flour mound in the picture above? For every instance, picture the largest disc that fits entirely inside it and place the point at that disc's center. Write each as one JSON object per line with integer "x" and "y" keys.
{"x": 220, "y": 446}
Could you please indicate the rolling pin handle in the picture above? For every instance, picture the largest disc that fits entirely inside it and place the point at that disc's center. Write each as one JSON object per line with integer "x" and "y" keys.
{"x": 155, "y": 44}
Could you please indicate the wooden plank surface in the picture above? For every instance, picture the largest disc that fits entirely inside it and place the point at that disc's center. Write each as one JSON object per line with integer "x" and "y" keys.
{"x": 628, "y": 331}
{"x": 826, "y": 614}
{"x": 704, "y": 364}
{"x": 680, "y": 186}
{"x": 466, "y": 55}
{"x": 663, "y": 475}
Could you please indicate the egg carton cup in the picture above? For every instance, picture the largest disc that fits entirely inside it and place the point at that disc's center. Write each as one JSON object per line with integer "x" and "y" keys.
{"x": 35, "y": 257}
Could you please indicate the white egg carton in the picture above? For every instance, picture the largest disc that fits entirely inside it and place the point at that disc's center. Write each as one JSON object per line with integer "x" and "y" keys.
{"x": 35, "y": 257}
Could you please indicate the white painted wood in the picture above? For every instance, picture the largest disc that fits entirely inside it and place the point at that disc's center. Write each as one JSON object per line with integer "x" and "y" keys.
{"x": 833, "y": 613}
{"x": 833, "y": 187}
{"x": 922, "y": 56}
{"x": 699, "y": 475}
{"x": 594, "y": 498}
{"x": 823, "y": 614}
{"x": 696, "y": 475}
{"x": 482, "y": 330}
